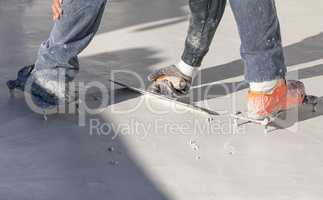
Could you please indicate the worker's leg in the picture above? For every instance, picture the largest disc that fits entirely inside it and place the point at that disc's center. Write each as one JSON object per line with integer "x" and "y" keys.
{"x": 57, "y": 63}
{"x": 205, "y": 18}
{"x": 261, "y": 46}
{"x": 57, "y": 56}
{"x": 262, "y": 53}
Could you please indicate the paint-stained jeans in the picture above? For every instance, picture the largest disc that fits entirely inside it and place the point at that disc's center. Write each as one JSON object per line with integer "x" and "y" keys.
{"x": 57, "y": 56}
{"x": 257, "y": 21}
{"x": 258, "y": 25}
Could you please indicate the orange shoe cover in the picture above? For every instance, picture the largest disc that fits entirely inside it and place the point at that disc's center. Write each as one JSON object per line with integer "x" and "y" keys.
{"x": 285, "y": 95}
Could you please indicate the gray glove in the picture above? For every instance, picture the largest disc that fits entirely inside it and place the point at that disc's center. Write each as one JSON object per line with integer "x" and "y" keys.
{"x": 170, "y": 82}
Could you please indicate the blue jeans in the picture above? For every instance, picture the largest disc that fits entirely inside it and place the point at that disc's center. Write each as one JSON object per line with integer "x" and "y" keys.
{"x": 261, "y": 48}
{"x": 69, "y": 36}
{"x": 258, "y": 25}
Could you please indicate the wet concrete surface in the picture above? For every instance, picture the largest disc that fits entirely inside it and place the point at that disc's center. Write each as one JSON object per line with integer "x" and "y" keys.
{"x": 167, "y": 152}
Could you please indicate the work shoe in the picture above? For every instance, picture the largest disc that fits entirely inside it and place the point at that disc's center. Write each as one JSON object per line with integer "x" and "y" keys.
{"x": 285, "y": 95}
{"x": 26, "y": 82}
{"x": 169, "y": 81}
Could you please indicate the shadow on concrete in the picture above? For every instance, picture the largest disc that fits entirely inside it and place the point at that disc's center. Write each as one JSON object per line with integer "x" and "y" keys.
{"x": 160, "y": 25}
{"x": 307, "y": 50}
{"x": 134, "y": 61}
{"x": 116, "y": 61}
{"x": 121, "y": 14}
{"x": 58, "y": 159}
{"x": 302, "y": 113}
{"x": 211, "y": 91}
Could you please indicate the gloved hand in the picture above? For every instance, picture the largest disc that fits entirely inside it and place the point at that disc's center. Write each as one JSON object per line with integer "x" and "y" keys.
{"x": 170, "y": 82}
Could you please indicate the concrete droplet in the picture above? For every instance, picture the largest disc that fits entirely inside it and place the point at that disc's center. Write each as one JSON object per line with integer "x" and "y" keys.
{"x": 194, "y": 145}
{"x": 111, "y": 149}
{"x": 114, "y": 162}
